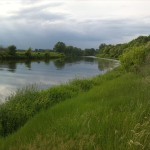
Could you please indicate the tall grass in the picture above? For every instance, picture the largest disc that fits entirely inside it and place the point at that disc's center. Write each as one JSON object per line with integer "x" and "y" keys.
{"x": 27, "y": 102}
{"x": 113, "y": 115}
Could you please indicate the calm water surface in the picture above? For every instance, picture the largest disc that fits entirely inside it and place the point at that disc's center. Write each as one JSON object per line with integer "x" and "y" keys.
{"x": 15, "y": 75}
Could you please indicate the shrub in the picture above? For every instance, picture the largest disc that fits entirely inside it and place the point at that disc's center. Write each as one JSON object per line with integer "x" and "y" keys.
{"x": 132, "y": 59}
{"x": 12, "y": 50}
{"x": 28, "y": 53}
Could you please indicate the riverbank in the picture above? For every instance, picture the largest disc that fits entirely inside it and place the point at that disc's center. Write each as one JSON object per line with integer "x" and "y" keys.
{"x": 107, "y": 112}
{"x": 47, "y": 73}
{"x": 32, "y": 56}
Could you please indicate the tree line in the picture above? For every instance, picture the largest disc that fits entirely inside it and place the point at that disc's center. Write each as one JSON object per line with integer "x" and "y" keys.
{"x": 115, "y": 51}
{"x": 11, "y": 53}
{"x": 132, "y": 55}
{"x": 60, "y": 47}
{"x": 73, "y": 51}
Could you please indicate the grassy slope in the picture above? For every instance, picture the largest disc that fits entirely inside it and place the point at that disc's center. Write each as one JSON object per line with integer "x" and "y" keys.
{"x": 113, "y": 115}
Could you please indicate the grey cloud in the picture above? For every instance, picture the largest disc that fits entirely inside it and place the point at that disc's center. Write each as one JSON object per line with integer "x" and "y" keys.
{"x": 39, "y": 16}
{"x": 37, "y": 13}
{"x": 89, "y": 33}
{"x": 40, "y": 7}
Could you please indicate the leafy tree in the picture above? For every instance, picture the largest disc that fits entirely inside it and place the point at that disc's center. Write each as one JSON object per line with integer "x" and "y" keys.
{"x": 12, "y": 50}
{"x": 134, "y": 58}
{"x": 29, "y": 52}
{"x": 47, "y": 55}
{"x": 67, "y": 50}
{"x": 2, "y": 48}
{"x": 115, "y": 51}
{"x": 60, "y": 47}
{"x": 102, "y": 46}
{"x": 90, "y": 52}
{"x": 73, "y": 51}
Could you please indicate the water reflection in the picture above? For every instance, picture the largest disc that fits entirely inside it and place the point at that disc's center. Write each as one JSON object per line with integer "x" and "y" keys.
{"x": 12, "y": 66}
{"x": 47, "y": 73}
{"x": 59, "y": 63}
{"x": 89, "y": 59}
{"x": 47, "y": 61}
{"x": 104, "y": 64}
{"x": 28, "y": 64}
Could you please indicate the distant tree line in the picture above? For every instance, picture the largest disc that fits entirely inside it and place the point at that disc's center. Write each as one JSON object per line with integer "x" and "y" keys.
{"x": 73, "y": 51}
{"x": 115, "y": 51}
{"x": 11, "y": 52}
{"x": 132, "y": 55}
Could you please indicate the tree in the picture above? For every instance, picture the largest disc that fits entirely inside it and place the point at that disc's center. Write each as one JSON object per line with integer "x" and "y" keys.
{"x": 90, "y": 52}
{"x": 102, "y": 46}
{"x": 29, "y": 52}
{"x": 60, "y": 47}
{"x": 12, "y": 50}
{"x": 47, "y": 55}
{"x": 2, "y": 48}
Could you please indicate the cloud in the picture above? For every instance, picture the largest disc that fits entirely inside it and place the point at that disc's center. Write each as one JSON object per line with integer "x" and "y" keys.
{"x": 41, "y": 23}
{"x": 90, "y": 33}
{"x": 38, "y": 12}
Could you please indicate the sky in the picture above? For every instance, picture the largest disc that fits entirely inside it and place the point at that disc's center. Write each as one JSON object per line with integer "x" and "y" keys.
{"x": 80, "y": 23}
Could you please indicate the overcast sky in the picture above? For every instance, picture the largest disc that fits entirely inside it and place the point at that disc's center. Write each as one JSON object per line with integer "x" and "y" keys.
{"x": 81, "y": 23}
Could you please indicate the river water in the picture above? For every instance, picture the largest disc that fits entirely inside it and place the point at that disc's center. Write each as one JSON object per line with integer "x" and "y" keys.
{"x": 15, "y": 75}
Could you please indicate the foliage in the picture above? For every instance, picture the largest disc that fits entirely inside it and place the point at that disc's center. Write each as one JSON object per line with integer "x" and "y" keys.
{"x": 28, "y": 53}
{"x": 12, "y": 50}
{"x": 2, "y": 49}
{"x": 67, "y": 50}
{"x": 60, "y": 47}
{"x": 73, "y": 51}
{"x": 115, "y": 51}
{"x": 90, "y": 52}
{"x": 134, "y": 58}
{"x": 47, "y": 55}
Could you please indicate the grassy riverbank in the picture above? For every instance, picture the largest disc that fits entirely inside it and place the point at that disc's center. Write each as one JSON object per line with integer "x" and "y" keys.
{"x": 109, "y": 112}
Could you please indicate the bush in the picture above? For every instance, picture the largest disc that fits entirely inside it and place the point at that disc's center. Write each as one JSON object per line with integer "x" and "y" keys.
{"x": 134, "y": 58}
{"x": 12, "y": 50}
{"x": 28, "y": 53}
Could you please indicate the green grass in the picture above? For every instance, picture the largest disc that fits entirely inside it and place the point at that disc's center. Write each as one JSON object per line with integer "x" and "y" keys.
{"x": 27, "y": 102}
{"x": 110, "y": 112}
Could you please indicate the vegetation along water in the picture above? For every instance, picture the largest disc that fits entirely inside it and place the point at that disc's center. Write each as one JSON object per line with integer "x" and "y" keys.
{"x": 108, "y": 112}
{"x": 47, "y": 73}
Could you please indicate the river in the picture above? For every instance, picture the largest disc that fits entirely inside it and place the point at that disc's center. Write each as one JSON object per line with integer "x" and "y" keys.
{"x": 15, "y": 75}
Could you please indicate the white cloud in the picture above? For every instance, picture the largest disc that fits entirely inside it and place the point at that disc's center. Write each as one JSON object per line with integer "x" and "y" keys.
{"x": 82, "y": 23}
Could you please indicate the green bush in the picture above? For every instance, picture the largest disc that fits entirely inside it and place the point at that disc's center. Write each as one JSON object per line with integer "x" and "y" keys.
{"x": 132, "y": 59}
